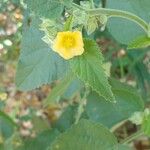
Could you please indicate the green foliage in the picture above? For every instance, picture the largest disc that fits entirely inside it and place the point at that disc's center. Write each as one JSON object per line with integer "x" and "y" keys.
{"x": 139, "y": 70}
{"x": 51, "y": 9}
{"x": 42, "y": 141}
{"x": 123, "y": 30}
{"x": 74, "y": 88}
{"x": 84, "y": 114}
{"x": 16, "y": 2}
{"x": 7, "y": 126}
{"x": 80, "y": 17}
{"x": 140, "y": 42}
{"x": 67, "y": 119}
{"x": 38, "y": 64}
{"x": 88, "y": 67}
{"x": 92, "y": 25}
{"x": 85, "y": 135}
{"x": 85, "y": 4}
{"x": 128, "y": 101}
{"x": 59, "y": 89}
{"x": 146, "y": 123}
{"x": 124, "y": 147}
{"x": 50, "y": 28}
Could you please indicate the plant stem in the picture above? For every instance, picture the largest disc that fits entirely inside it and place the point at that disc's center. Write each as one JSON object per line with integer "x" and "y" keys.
{"x": 121, "y": 14}
{"x": 80, "y": 109}
{"x": 92, "y": 4}
{"x": 116, "y": 13}
{"x": 132, "y": 137}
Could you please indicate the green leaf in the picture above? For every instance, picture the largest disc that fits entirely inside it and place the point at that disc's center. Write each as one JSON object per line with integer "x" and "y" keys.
{"x": 140, "y": 42}
{"x": 124, "y": 30}
{"x": 123, "y": 86}
{"x": 146, "y": 124}
{"x": 67, "y": 3}
{"x": 75, "y": 87}
{"x": 41, "y": 142}
{"x": 12, "y": 143}
{"x": 66, "y": 119}
{"x": 139, "y": 70}
{"x": 47, "y": 8}
{"x": 38, "y": 64}
{"x": 85, "y": 135}
{"x": 128, "y": 101}
{"x": 51, "y": 9}
{"x": 16, "y": 2}
{"x": 40, "y": 124}
{"x": 7, "y": 125}
{"x": 88, "y": 68}
{"x": 59, "y": 89}
{"x": 124, "y": 147}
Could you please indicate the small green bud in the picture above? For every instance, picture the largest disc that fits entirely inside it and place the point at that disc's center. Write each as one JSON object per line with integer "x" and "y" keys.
{"x": 92, "y": 25}
{"x": 102, "y": 19}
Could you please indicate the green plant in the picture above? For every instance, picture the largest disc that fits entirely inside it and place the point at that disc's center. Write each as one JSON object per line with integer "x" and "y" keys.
{"x": 96, "y": 102}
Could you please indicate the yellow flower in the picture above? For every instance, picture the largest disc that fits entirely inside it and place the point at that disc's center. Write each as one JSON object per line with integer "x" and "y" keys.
{"x": 68, "y": 44}
{"x": 3, "y": 96}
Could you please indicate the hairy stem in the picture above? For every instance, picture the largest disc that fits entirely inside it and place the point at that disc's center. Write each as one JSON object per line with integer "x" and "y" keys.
{"x": 92, "y": 4}
{"x": 116, "y": 13}
{"x": 121, "y": 14}
{"x": 80, "y": 109}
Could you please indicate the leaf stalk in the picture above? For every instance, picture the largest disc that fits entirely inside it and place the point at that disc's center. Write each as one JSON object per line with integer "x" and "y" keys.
{"x": 116, "y": 13}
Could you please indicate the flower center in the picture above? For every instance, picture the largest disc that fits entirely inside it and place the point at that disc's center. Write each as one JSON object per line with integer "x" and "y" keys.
{"x": 68, "y": 42}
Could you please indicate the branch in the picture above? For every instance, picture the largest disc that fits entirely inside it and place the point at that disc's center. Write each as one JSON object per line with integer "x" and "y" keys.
{"x": 116, "y": 13}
